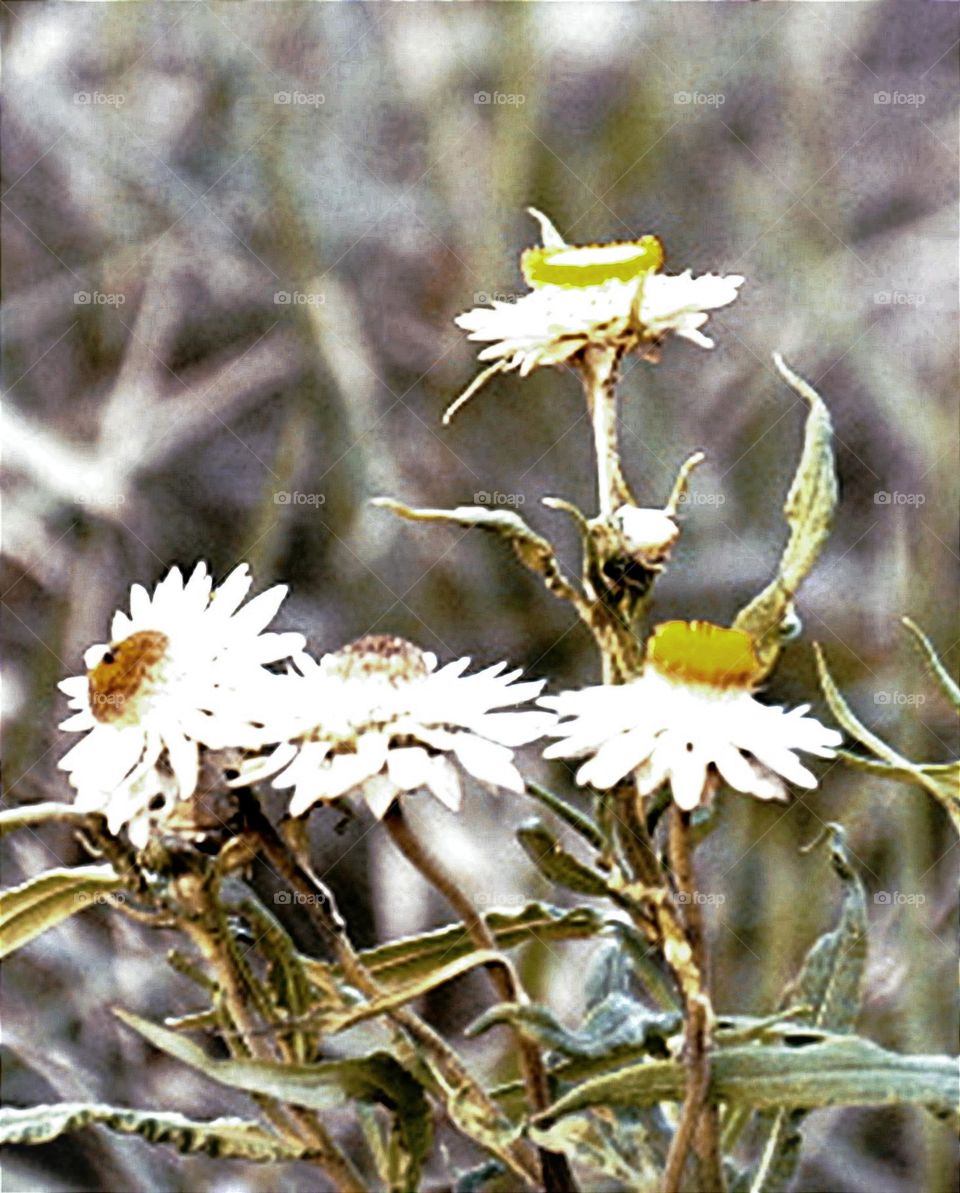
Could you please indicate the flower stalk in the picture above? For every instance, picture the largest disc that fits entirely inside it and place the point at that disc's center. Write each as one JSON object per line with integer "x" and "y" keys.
{"x": 246, "y": 1039}
{"x": 599, "y": 371}
{"x": 698, "y": 1125}
{"x": 555, "y": 1171}
{"x": 325, "y": 916}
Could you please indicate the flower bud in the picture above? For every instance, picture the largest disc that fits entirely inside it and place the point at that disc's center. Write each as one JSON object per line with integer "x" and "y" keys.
{"x": 648, "y": 534}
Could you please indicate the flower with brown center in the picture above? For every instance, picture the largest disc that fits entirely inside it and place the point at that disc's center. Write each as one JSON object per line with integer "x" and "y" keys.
{"x": 185, "y": 669}
{"x": 381, "y": 718}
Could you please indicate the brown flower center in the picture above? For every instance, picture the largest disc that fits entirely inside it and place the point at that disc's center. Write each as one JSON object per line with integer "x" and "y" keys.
{"x": 377, "y": 656}
{"x": 128, "y": 674}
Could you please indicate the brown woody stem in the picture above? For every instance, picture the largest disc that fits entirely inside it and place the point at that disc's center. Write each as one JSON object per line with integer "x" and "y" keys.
{"x": 326, "y": 918}
{"x": 698, "y": 1126}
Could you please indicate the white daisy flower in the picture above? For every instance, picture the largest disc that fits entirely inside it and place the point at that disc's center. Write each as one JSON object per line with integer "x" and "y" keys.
{"x": 691, "y": 714}
{"x": 185, "y": 668}
{"x": 386, "y": 720}
{"x": 610, "y": 295}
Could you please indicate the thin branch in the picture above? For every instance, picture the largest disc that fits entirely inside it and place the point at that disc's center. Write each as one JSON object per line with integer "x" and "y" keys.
{"x": 698, "y": 1126}
{"x": 557, "y": 1177}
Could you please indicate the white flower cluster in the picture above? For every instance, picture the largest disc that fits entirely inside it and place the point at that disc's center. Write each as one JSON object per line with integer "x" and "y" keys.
{"x": 189, "y": 669}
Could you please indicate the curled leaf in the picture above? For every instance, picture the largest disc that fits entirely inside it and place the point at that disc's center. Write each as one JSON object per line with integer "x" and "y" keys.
{"x": 224, "y": 1138}
{"x": 941, "y": 780}
{"x": 533, "y": 551}
{"x": 809, "y": 512}
{"x": 617, "y": 1026}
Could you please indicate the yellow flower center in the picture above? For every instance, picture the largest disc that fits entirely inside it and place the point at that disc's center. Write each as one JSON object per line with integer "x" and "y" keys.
{"x": 592, "y": 265}
{"x": 700, "y": 652}
{"x": 377, "y": 656}
{"x": 127, "y": 675}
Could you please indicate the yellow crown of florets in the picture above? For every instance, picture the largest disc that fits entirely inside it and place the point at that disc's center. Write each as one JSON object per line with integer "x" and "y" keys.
{"x": 700, "y": 652}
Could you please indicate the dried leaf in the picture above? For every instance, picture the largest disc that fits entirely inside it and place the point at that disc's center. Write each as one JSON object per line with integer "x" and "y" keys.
{"x": 809, "y": 512}
{"x": 223, "y": 1138}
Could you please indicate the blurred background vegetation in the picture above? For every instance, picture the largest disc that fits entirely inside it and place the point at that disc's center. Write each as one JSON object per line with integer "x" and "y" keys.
{"x": 172, "y": 171}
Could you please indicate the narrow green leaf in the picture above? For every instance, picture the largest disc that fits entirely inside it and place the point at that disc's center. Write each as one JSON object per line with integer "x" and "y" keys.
{"x": 28, "y": 815}
{"x": 543, "y": 848}
{"x": 46, "y": 900}
{"x": 809, "y": 512}
{"x": 575, "y": 819}
{"x": 841, "y": 1071}
{"x": 412, "y": 958}
{"x": 831, "y": 978}
{"x": 288, "y": 983}
{"x": 941, "y": 780}
{"x": 830, "y": 984}
{"x": 224, "y": 1138}
{"x": 378, "y": 1077}
{"x": 331, "y": 1022}
{"x": 943, "y": 677}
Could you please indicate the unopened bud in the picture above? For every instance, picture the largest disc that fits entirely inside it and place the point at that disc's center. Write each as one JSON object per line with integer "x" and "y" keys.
{"x": 649, "y": 534}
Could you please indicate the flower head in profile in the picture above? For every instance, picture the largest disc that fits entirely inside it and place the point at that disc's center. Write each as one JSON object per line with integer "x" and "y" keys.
{"x": 605, "y": 295}
{"x": 184, "y": 669}
{"x": 690, "y": 716}
{"x": 383, "y": 719}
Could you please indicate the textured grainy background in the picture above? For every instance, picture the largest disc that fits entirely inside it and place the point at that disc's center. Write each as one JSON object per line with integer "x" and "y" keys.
{"x": 151, "y": 165}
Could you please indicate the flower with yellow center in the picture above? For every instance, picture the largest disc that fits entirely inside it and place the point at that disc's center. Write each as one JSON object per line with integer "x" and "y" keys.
{"x": 691, "y": 715}
{"x": 379, "y": 717}
{"x": 605, "y": 295}
{"x": 185, "y": 669}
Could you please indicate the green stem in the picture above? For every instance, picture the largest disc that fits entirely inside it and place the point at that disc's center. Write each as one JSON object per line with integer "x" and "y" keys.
{"x": 599, "y": 374}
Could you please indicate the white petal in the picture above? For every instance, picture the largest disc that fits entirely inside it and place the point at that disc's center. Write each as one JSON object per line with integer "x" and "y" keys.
{"x": 184, "y": 762}
{"x": 93, "y": 655}
{"x": 229, "y": 596}
{"x": 488, "y": 762}
{"x": 254, "y": 616}
{"x": 688, "y": 777}
{"x": 408, "y": 767}
{"x": 444, "y": 781}
{"x": 617, "y": 758}
{"x": 140, "y": 606}
{"x": 783, "y": 762}
{"x": 735, "y": 769}
{"x": 196, "y": 594}
{"x": 76, "y": 687}
{"x": 549, "y": 236}
{"x": 107, "y": 753}
{"x": 513, "y": 728}
{"x": 121, "y": 627}
{"x": 79, "y": 721}
{"x": 380, "y": 792}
